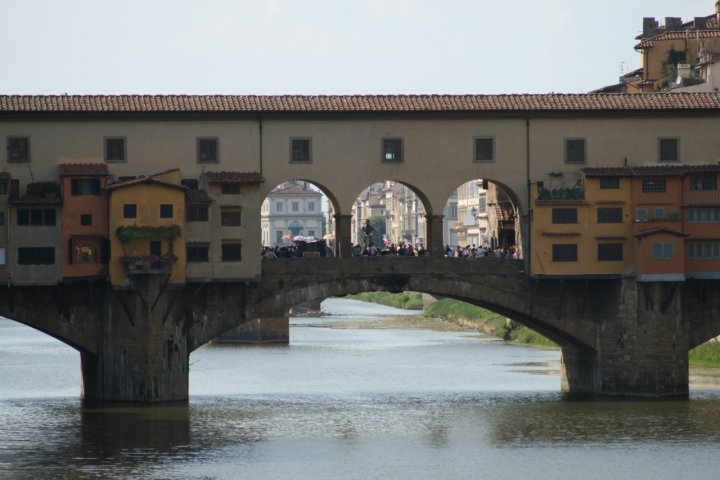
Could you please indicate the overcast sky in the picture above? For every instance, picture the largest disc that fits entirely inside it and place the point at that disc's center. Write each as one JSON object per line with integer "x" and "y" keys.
{"x": 322, "y": 46}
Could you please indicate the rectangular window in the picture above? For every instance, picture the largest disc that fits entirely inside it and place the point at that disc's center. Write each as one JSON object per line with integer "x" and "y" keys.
{"x": 484, "y": 149}
{"x": 197, "y": 212}
{"x": 295, "y": 206}
{"x": 658, "y": 213}
{"x": 575, "y": 150}
{"x": 653, "y": 185}
{"x": 278, "y": 206}
{"x": 609, "y": 215}
{"x": 36, "y": 217}
{"x": 36, "y": 256}
{"x": 704, "y": 215}
{"x": 663, "y": 251}
{"x": 129, "y": 210}
{"x": 311, "y": 233}
{"x": 18, "y": 149}
{"x": 115, "y": 149}
{"x": 85, "y": 250}
{"x": 564, "y": 252}
{"x": 3, "y": 188}
{"x": 704, "y": 250}
{"x": 86, "y": 220}
{"x": 207, "y": 150}
{"x": 564, "y": 215}
{"x": 198, "y": 253}
{"x": 300, "y": 150}
{"x": 2, "y": 218}
{"x": 703, "y": 182}
{"x": 392, "y": 149}
{"x": 231, "y": 251}
{"x": 278, "y": 236}
{"x": 231, "y": 216}
{"x": 668, "y": 150}
{"x": 609, "y": 183}
{"x": 229, "y": 188}
{"x": 641, "y": 214}
{"x": 311, "y": 206}
{"x": 610, "y": 252}
{"x": 3, "y": 256}
{"x": 85, "y": 186}
{"x": 166, "y": 210}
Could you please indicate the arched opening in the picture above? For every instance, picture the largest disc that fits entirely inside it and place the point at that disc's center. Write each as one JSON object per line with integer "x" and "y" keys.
{"x": 482, "y": 217}
{"x": 296, "y": 219}
{"x": 389, "y": 218}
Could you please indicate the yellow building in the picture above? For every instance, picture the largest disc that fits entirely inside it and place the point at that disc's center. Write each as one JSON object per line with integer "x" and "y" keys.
{"x": 583, "y": 230}
{"x": 147, "y": 223}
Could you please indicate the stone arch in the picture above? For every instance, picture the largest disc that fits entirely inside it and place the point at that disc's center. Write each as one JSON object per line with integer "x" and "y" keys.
{"x": 485, "y": 213}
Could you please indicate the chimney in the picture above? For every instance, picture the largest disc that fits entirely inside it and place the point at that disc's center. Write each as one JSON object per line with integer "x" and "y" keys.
{"x": 699, "y": 23}
{"x": 673, "y": 24}
{"x": 650, "y": 25}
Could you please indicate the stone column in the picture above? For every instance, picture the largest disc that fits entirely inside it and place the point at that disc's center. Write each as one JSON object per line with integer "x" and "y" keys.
{"x": 644, "y": 350}
{"x": 577, "y": 370}
{"x": 343, "y": 236}
{"x": 143, "y": 347}
{"x": 434, "y": 225}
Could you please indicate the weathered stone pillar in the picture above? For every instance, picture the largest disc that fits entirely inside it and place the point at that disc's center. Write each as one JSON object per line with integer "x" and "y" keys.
{"x": 644, "y": 350}
{"x": 434, "y": 226}
{"x": 142, "y": 347}
{"x": 577, "y": 370}
{"x": 343, "y": 236}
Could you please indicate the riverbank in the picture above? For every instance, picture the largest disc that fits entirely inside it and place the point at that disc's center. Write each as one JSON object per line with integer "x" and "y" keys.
{"x": 464, "y": 315}
{"x": 470, "y": 317}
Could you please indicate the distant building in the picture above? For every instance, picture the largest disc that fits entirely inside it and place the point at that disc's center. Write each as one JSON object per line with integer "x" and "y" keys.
{"x": 292, "y": 209}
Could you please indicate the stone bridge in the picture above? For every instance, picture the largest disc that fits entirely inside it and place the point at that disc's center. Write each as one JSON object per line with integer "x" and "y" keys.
{"x": 617, "y": 336}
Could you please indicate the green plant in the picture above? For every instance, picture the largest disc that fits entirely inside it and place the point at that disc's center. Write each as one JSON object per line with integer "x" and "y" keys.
{"x": 129, "y": 233}
{"x": 43, "y": 189}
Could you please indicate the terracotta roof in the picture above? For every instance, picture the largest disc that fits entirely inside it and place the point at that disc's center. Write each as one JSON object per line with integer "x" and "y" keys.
{"x": 657, "y": 230}
{"x": 141, "y": 180}
{"x": 647, "y": 170}
{"x": 677, "y": 35}
{"x": 234, "y": 177}
{"x": 95, "y": 169}
{"x": 355, "y": 103}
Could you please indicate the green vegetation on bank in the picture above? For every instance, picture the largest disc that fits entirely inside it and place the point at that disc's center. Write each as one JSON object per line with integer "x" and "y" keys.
{"x": 405, "y": 300}
{"x": 462, "y": 313}
{"x": 706, "y": 355}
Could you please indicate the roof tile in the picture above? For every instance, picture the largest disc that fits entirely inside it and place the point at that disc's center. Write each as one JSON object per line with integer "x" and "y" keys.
{"x": 234, "y": 177}
{"x": 83, "y": 169}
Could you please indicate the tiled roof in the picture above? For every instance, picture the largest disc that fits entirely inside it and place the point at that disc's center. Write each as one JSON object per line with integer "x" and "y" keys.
{"x": 234, "y": 177}
{"x": 647, "y": 170}
{"x": 83, "y": 169}
{"x": 677, "y": 35}
{"x": 657, "y": 230}
{"x": 143, "y": 179}
{"x": 233, "y": 104}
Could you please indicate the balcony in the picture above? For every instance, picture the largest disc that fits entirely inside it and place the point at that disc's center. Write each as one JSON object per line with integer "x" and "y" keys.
{"x": 148, "y": 264}
{"x": 701, "y": 197}
{"x": 575, "y": 194}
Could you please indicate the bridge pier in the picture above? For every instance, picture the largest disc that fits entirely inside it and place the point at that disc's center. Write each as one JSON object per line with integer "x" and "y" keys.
{"x": 434, "y": 227}
{"x": 343, "y": 236}
{"x": 640, "y": 351}
{"x": 142, "y": 354}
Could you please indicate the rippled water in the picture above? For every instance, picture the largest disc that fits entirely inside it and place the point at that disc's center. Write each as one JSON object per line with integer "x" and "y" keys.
{"x": 344, "y": 403}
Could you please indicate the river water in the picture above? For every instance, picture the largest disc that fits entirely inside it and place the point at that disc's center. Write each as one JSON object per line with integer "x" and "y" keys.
{"x": 342, "y": 402}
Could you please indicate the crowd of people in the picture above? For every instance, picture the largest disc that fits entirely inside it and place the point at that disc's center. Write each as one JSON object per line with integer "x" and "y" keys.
{"x": 400, "y": 249}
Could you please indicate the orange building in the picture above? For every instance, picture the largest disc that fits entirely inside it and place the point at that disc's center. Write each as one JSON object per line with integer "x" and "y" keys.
{"x": 147, "y": 224}
{"x": 676, "y": 220}
{"x": 85, "y": 220}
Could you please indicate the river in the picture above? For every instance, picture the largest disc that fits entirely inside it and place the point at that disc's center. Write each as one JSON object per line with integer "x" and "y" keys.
{"x": 349, "y": 398}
